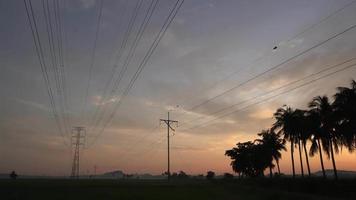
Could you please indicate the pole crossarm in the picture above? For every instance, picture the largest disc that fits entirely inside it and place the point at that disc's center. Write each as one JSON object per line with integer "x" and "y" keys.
{"x": 169, "y": 122}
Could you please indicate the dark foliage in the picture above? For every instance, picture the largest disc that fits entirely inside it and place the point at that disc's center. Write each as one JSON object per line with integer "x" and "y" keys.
{"x": 327, "y": 125}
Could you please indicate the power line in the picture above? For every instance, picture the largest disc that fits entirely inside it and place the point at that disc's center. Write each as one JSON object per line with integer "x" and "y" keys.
{"x": 141, "y": 138}
{"x": 144, "y": 61}
{"x": 51, "y": 42}
{"x": 264, "y": 100}
{"x": 140, "y": 142}
{"x": 62, "y": 80}
{"x": 65, "y": 88}
{"x": 322, "y": 20}
{"x": 113, "y": 71}
{"x": 65, "y": 55}
{"x": 142, "y": 28}
{"x": 147, "y": 150}
{"x": 57, "y": 61}
{"x": 39, "y": 52}
{"x": 271, "y": 69}
{"x": 93, "y": 55}
{"x": 261, "y": 57}
{"x": 46, "y": 14}
{"x": 118, "y": 57}
{"x": 274, "y": 90}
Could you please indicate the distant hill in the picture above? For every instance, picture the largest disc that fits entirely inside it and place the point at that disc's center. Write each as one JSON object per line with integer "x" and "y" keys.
{"x": 118, "y": 174}
{"x": 341, "y": 173}
{"x": 24, "y": 176}
{"x": 113, "y": 174}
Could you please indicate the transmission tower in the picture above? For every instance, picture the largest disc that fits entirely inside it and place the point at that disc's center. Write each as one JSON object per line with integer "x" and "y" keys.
{"x": 169, "y": 127}
{"x": 78, "y": 139}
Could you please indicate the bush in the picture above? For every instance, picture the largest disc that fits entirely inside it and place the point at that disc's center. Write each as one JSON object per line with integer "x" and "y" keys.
{"x": 228, "y": 176}
{"x": 210, "y": 175}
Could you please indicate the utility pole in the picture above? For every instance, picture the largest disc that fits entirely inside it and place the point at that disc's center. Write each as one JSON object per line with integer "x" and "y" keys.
{"x": 78, "y": 139}
{"x": 169, "y": 127}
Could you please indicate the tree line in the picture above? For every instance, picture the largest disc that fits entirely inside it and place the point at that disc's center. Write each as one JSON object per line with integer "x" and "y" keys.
{"x": 328, "y": 126}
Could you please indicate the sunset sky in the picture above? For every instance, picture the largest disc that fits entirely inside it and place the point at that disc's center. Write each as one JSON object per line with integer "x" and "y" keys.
{"x": 210, "y": 47}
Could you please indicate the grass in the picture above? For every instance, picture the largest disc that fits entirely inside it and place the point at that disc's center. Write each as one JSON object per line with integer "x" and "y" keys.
{"x": 177, "y": 189}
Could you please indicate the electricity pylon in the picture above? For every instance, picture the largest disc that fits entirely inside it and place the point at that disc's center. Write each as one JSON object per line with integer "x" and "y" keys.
{"x": 77, "y": 140}
{"x": 169, "y": 127}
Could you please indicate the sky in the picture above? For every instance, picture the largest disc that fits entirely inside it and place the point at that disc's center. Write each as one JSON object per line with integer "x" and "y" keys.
{"x": 210, "y": 47}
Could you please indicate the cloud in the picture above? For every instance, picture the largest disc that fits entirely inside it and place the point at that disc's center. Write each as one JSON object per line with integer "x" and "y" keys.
{"x": 187, "y": 148}
{"x": 292, "y": 43}
{"x": 99, "y": 101}
{"x": 262, "y": 113}
{"x": 87, "y": 4}
{"x": 33, "y": 104}
{"x": 200, "y": 48}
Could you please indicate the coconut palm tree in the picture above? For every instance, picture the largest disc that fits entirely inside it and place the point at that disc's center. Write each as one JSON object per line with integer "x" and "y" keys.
{"x": 298, "y": 118}
{"x": 345, "y": 111}
{"x": 316, "y": 136}
{"x": 325, "y": 112}
{"x": 285, "y": 124}
{"x": 273, "y": 144}
{"x": 305, "y": 133}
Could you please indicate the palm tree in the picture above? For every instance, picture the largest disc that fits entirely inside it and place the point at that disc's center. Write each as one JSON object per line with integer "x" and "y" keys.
{"x": 325, "y": 112}
{"x": 345, "y": 111}
{"x": 285, "y": 124}
{"x": 305, "y": 133}
{"x": 316, "y": 136}
{"x": 298, "y": 118}
{"x": 273, "y": 144}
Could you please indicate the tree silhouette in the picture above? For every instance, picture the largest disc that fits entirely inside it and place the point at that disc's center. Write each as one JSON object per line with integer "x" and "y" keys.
{"x": 328, "y": 126}
{"x": 345, "y": 113}
{"x": 304, "y": 129}
{"x": 316, "y": 136}
{"x": 273, "y": 144}
{"x": 13, "y": 175}
{"x": 210, "y": 175}
{"x": 324, "y": 111}
{"x": 182, "y": 174}
{"x": 250, "y": 159}
{"x": 297, "y": 120}
{"x": 285, "y": 124}
{"x": 228, "y": 176}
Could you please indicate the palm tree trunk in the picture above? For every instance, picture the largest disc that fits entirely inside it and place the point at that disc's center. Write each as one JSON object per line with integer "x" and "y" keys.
{"x": 333, "y": 159}
{"x": 270, "y": 172}
{"x": 321, "y": 159}
{"x": 292, "y": 156}
{"x": 306, "y": 158}
{"x": 301, "y": 159}
{"x": 279, "y": 170}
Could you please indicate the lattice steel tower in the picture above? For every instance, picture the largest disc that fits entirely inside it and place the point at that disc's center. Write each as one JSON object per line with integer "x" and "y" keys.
{"x": 78, "y": 139}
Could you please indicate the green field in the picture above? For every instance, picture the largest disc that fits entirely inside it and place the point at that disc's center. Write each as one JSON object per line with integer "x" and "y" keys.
{"x": 178, "y": 189}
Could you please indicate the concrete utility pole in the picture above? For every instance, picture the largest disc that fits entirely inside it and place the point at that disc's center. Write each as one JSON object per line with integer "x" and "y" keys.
{"x": 78, "y": 139}
{"x": 169, "y": 127}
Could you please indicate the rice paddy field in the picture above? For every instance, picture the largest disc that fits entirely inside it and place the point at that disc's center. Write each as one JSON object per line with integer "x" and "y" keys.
{"x": 177, "y": 189}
